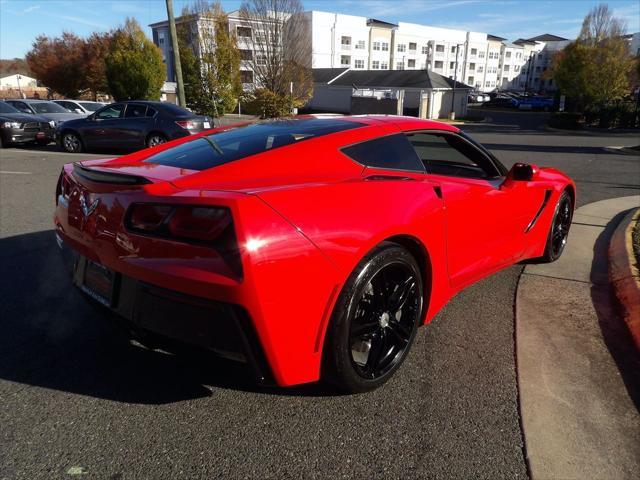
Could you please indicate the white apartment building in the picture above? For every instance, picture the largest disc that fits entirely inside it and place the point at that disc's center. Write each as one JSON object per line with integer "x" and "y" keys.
{"x": 483, "y": 61}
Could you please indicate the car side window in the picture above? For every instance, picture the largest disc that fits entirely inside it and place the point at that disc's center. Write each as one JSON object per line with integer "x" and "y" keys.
{"x": 23, "y": 107}
{"x": 448, "y": 154}
{"x": 68, "y": 105}
{"x": 150, "y": 112}
{"x": 135, "y": 111}
{"x": 112, "y": 111}
{"x": 393, "y": 152}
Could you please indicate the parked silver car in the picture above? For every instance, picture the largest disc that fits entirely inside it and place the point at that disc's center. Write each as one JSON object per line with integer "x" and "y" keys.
{"x": 45, "y": 108}
{"x": 80, "y": 106}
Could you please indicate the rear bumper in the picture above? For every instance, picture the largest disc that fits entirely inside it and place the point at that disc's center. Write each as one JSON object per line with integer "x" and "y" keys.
{"x": 155, "y": 312}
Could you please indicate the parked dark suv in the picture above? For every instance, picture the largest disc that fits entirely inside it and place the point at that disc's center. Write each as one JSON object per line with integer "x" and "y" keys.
{"x": 19, "y": 128}
{"x": 130, "y": 125}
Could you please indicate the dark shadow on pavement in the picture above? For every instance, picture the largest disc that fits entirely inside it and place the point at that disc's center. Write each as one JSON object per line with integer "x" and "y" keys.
{"x": 52, "y": 337}
{"x": 614, "y": 330}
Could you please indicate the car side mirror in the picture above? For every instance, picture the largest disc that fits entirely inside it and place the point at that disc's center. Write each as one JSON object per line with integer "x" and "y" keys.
{"x": 78, "y": 110}
{"x": 520, "y": 172}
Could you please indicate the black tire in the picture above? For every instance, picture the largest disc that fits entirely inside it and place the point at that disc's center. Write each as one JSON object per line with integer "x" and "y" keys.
{"x": 71, "y": 142}
{"x": 377, "y": 313}
{"x": 154, "y": 139}
{"x": 559, "y": 229}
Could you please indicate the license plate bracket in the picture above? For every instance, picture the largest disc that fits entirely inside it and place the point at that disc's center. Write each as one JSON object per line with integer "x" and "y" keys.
{"x": 98, "y": 282}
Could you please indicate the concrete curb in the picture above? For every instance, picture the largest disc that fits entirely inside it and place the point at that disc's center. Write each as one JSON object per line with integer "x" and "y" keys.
{"x": 624, "y": 274}
{"x": 577, "y": 367}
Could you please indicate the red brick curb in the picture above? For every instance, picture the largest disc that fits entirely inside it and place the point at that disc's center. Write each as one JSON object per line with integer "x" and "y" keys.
{"x": 624, "y": 275}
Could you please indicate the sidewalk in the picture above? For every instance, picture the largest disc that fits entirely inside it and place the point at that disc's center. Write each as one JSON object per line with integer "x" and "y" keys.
{"x": 578, "y": 372}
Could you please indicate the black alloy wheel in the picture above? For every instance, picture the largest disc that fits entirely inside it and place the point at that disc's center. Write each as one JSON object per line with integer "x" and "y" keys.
{"x": 375, "y": 320}
{"x": 155, "y": 139}
{"x": 71, "y": 142}
{"x": 559, "y": 230}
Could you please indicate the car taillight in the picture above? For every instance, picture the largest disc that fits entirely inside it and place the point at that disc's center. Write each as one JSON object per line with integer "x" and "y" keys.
{"x": 181, "y": 222}
{"x": 187, "y": 124}
{"x": 62, "y": 189}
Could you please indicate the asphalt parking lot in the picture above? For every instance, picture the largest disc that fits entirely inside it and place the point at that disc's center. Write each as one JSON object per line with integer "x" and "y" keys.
{"x": 78, "y": 398}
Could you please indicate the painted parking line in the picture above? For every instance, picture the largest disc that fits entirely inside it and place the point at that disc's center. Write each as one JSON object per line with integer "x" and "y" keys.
{"x": 47, "y": 152}
{"x": 14, "y": 173}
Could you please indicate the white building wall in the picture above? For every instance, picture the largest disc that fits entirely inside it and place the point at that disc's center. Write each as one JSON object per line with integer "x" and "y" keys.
{"x": 338, "y": 40}
{"x": 12, "y": 81}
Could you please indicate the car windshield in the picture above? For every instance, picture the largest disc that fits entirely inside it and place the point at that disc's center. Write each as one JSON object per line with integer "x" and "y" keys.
{"x": 6, "y": 108}
{"x": 229, "y": 145}
{"x": 91, "y": 106}
{"x": 48, "y": 107}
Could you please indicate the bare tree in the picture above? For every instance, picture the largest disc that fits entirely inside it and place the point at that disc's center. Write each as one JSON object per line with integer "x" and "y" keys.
{"x": 600, "y": 25}
{"x": 277, "y": 38}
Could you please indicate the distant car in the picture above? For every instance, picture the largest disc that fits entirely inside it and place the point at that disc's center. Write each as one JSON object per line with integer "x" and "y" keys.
{"x": 130, "y": 125}
{"x": 45, "y": 108}
{"x": 20, "y": 128}
{"x": 500, "y": 102}
{"x": 536, "y": 103}
{"x": 477, "y": 97}
{"x": 80, "y": 106}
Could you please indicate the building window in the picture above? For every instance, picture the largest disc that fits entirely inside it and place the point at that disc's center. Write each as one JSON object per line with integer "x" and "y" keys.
{"x": 474, "y": 52}
{"x": 505, "y": 80}
{"x": 516, "y": 68}
{"x": 507, "y": 55}
{"x": 399, "y": 66}
{"x": 345, "y": 43}
{"x": 402, "y": 47}
{"x": 375, "y": 65}
{"x": 244, "y": 32}
{"x": 425, "y": 49}
{"x": 505, "y": 68}
{"x": 345, "y": 60}
{"x": 411, "y": 63}
{"x": 360, "y": 45}
{"x": 261, "y": 36}
{"x": 413, "y": 46}
{"x": 518, "y": 55}
{"x": 358, "y": 63}
{"x": 453, "y": 49}
{"x": 440, "y": 48}
{"x": 470, "y": 81}
{"x": 452, "y": 65}
{"x": 480, "y": 69}
{"x": 438, "y": 64}
{"x": 384, "y": 65}
{"x": 478, "y": 84}
{"x": 246, "y": 54}
{"x": 385, "y": 46}
{"x": 481, "y": 54}
{"x": 472, "y": 66}
{"x": 487, "y": 83}
{"x": 261, "y": 59}
{"x": 246, "y": 76}
{"x": 376, "y": 45}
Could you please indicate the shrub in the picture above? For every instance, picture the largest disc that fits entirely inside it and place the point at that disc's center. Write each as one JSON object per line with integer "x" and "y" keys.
{"x": 267, "y": 104}
{"x": 566, "y": 120}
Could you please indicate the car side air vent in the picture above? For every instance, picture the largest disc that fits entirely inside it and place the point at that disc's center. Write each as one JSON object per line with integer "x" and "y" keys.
{"x": 108, "y": 177}
{"x": 377, "y": 178}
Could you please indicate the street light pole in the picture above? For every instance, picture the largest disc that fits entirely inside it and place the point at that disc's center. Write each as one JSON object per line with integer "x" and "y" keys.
{"x": 176, "y": 53}
{"x": 452, "y": 114}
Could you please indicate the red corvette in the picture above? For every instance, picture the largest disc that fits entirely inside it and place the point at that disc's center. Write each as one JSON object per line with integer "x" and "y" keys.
{"x": 310, "y": 247}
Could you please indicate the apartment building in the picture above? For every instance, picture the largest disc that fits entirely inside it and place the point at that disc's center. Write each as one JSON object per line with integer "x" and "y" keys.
{"x": 202, "y": 26}
{"x": 483, "y": 61}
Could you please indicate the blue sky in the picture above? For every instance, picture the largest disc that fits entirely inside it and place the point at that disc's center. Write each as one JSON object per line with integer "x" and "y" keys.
{"x": 22, "y": 20}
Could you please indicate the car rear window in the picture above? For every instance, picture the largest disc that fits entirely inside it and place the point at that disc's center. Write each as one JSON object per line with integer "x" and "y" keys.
{"x": 391, "y": 152}
{"x": 227, "y": 146}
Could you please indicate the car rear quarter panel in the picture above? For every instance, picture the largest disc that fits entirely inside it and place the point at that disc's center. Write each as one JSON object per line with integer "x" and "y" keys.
{"x": 347, "y": 220}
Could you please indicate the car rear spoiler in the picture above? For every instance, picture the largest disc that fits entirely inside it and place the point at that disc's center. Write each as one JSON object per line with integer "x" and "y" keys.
{"x": 101, "y": 176}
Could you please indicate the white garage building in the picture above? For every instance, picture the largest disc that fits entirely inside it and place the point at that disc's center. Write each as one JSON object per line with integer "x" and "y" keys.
{"x": 421, "y": 93}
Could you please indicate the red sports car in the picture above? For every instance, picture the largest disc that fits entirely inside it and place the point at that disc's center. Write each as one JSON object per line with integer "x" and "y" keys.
{"x": 309, "y": 247}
